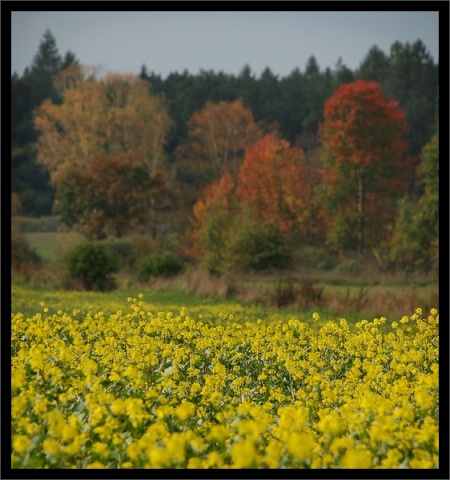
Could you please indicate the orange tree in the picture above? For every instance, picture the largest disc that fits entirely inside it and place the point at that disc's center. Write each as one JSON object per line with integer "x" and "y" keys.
{"x": 248, "y": 220}
{"x": 364, "y": 169}
{"x": 276, "y": 183}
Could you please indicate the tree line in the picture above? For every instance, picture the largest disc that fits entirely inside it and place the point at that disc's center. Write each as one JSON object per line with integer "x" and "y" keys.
{"x": 316, "y": 154}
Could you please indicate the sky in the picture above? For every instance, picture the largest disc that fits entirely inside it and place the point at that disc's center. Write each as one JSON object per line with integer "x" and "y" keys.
{"x": 175, "y": 41}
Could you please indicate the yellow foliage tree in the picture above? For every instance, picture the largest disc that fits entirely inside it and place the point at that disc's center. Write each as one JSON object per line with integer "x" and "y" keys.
{"x": 97, "y": 117}
{"x": 217, "y": 137}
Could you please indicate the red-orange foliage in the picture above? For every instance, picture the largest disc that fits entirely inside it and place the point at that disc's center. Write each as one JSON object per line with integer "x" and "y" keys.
{"x": 109, "y": 195}
{"x": 362, "y": 126}
{"x": 275, "y": 183}
{"x": 363, "y": 139}
{"x": 220, "y": 193}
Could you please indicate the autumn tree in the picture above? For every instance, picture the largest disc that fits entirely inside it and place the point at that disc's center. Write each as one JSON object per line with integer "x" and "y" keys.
{"x": 415, "y": 242}
{"x": 108, "y": 195}
{"x": 275, "y": 182}
{"x": 97, "y": 118}
{"x": 364, "y": 170}
{"x": 242, "y": 221}
{"x": 229, "y": 237}
{"x": 217, "y": 137}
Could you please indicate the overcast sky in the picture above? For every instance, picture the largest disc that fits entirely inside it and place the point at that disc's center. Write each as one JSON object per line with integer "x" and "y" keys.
{"x": 220, "y": 41}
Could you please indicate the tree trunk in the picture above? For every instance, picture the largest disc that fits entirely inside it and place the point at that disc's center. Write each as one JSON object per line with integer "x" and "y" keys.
{"x": 360, "y": 252}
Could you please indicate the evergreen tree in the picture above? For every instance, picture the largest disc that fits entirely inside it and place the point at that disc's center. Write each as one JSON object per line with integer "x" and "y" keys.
{"x": 374, "y": 67}
{"x": 46, "y": 64}
{"x": 343, "y": 73}
{"x": 28, "y": 179}
{"x": 413, "y": 80}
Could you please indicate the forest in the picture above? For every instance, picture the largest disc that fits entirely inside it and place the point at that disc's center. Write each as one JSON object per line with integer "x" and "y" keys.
{"x": 237, "y": 172}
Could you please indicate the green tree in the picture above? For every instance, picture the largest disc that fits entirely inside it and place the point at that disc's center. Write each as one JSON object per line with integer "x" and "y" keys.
{"x": 429, "y": 202}
{"x": 415, "y": 243}
{"x": 374, "y": 67}
{"x": 413, "y": 79}
{"x": 343, "y": 73}
{"x": 212, "y": 220}
{"x": 427, "y": 217}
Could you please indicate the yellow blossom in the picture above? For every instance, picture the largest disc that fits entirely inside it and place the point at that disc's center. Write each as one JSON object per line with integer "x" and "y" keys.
{"x": 21, "y": 443}
{"x": 244, "y": 454}
{"x": 51, "y": 446}
{"x": 357, "y": 458}
{"x": 184, "y": 411}
{"x": 101, "y": 449}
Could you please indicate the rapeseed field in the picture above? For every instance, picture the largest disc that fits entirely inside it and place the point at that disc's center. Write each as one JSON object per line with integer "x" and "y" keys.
{"x": 169, "y": 389}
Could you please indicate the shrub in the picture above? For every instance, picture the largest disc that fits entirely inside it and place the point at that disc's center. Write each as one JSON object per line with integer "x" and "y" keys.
{"x": 159, "y": 265}
{"x": 92, "y": 264}
{"x": 259, "y": 247}
{"x": 235, "y": 243}
{"x": 129, "y": 250}
{"x": 122, "y": 250}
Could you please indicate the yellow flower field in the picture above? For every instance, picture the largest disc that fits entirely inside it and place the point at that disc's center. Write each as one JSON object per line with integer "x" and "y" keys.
{"x": 150, "y": 389}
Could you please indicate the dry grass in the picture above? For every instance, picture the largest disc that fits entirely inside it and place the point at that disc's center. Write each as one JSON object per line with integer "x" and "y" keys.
{"x": 197, "y": 281}
{"x": 382, "y": 300}
{"x": 373, "y": 301}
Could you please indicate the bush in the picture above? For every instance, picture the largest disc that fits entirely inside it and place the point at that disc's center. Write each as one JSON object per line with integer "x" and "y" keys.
{"x": 122, "y": 250}
{"x": 159, "y": 265}
{"x": 92, "y": 264}
{"x": 129, "y": 250}
{"x": 260, "y": 247}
